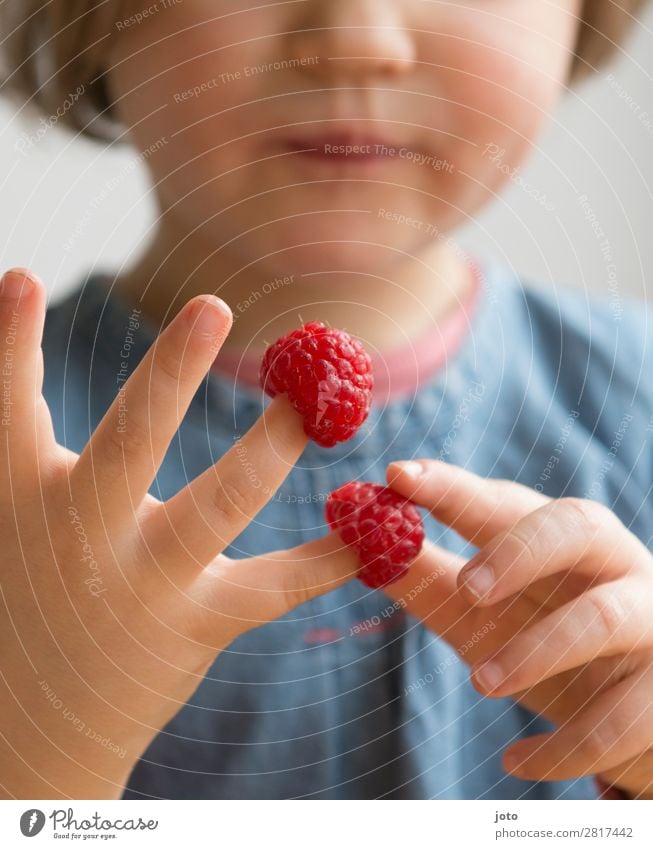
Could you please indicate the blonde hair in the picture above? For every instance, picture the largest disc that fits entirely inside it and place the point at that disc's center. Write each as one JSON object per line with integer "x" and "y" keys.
{"x": 52, "y": 53}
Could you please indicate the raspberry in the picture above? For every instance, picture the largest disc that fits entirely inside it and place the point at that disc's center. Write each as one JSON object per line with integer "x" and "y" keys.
{"x": 385, "y": 529}
{"x": 327, "y": 377}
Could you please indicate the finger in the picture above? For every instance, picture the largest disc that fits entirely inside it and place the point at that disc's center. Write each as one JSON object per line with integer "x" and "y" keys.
{"x": 569, "y": 533}
{"x": 475, "y": 507}
{"x": 24, "y": 414}
{"x": 202, "y": 519}
{"x": 238, "y": 595}
{"x": 608, "y": 620}
{"x": 611, "y": 729}
{"x": 429, "y": 592}
{"x": 122, "y": 457}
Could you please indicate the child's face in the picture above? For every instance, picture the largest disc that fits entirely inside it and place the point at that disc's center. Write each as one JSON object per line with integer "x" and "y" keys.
{"x": 437, "y": 81}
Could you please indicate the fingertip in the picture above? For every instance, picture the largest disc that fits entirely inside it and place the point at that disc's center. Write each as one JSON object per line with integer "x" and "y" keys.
{"x": 404, "y": 472}
{"x": 18, "y": 283}
{"x": 393, "y": 472}
{"x": 224, "y": 307}
{"x": 528, "y": 758}
{"x": 21, "y": 271}
{"x": 210, "y": 316}
{"x": 512, "y": 761}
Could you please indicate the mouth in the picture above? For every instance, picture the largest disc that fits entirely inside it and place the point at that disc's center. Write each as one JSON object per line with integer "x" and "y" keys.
{"x": 344, "y": 151}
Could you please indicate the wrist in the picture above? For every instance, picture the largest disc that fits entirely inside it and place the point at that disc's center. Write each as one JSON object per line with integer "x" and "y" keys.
{"x": 42, "y": 761}
{"x": 53, "y": 775}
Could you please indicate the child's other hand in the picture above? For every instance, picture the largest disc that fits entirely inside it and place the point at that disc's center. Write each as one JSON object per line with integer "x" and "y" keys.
{"x": 559, "y": 599}
{"x": 114, "y": 604}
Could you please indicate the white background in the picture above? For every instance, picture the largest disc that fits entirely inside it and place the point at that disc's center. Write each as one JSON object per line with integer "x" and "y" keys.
{"x": 598, "y": 146}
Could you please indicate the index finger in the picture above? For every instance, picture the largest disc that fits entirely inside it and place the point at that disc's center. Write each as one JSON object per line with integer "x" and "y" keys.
{"x": 121, "y": 459}
{"x": 475, "y": 507}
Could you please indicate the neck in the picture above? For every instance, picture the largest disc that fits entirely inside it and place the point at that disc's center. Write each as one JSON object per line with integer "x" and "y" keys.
{"x": 385, "y": 310}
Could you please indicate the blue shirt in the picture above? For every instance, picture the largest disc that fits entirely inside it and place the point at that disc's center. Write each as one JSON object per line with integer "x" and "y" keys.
{"x": 344, "y": 698}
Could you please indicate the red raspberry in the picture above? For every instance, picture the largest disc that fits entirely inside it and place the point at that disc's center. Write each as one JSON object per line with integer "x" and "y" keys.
{"x": 385, "y": 529}
{"x": 327, "y": 377}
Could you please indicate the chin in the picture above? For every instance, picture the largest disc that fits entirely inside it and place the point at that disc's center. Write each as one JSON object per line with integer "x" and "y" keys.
{"x": 358, "y": 251}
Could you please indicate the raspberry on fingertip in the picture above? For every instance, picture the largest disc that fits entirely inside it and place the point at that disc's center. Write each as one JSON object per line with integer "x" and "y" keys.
{"x": 385, "y": 529}
{"x": 326, "y": 375}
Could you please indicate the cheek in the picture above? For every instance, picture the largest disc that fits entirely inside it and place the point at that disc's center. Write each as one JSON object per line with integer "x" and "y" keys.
{"x": 190, "y": 83}
{"x": 506, "y": 108}
{"x": 501, "y": 83}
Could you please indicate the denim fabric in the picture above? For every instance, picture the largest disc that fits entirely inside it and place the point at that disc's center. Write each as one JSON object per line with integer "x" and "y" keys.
{"x": 313, "y": 706}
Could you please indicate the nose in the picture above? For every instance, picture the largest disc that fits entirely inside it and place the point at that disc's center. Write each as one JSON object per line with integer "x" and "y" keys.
{"x": 353, "y": 39}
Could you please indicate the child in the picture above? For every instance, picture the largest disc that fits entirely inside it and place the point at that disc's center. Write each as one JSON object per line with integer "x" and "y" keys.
{"x": 310, "y": 161}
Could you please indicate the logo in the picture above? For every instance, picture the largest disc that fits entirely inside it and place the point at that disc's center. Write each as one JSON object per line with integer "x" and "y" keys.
{"x": 32, "y": 822}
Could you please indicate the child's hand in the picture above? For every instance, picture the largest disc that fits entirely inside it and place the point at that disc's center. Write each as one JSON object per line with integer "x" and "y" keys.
{"x": 564, "y": 607}
{"x": 114, "y": 605}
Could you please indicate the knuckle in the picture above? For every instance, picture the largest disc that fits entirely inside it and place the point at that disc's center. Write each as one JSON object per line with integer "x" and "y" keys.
{"x": 592, "y": 516}
{"x": 178, "y": 359}
{"x": 169, "y": 365}
{"x": 295, "y": 586}
{"x": 597, "y": 743}
{"x": 233, "y": 501}
{"x": 519, "y": 547}
{"x": 609, "y": 611}
{"x": 130, "y": 441}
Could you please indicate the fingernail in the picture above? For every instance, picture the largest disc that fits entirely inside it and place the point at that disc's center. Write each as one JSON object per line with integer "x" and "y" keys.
{"x": 478, "y": 580}
{"x": 16, "y": 283}
{"x": 488, "y": 675}
{"x": 209, "y": 315}
{"x": 411, "y": 468}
